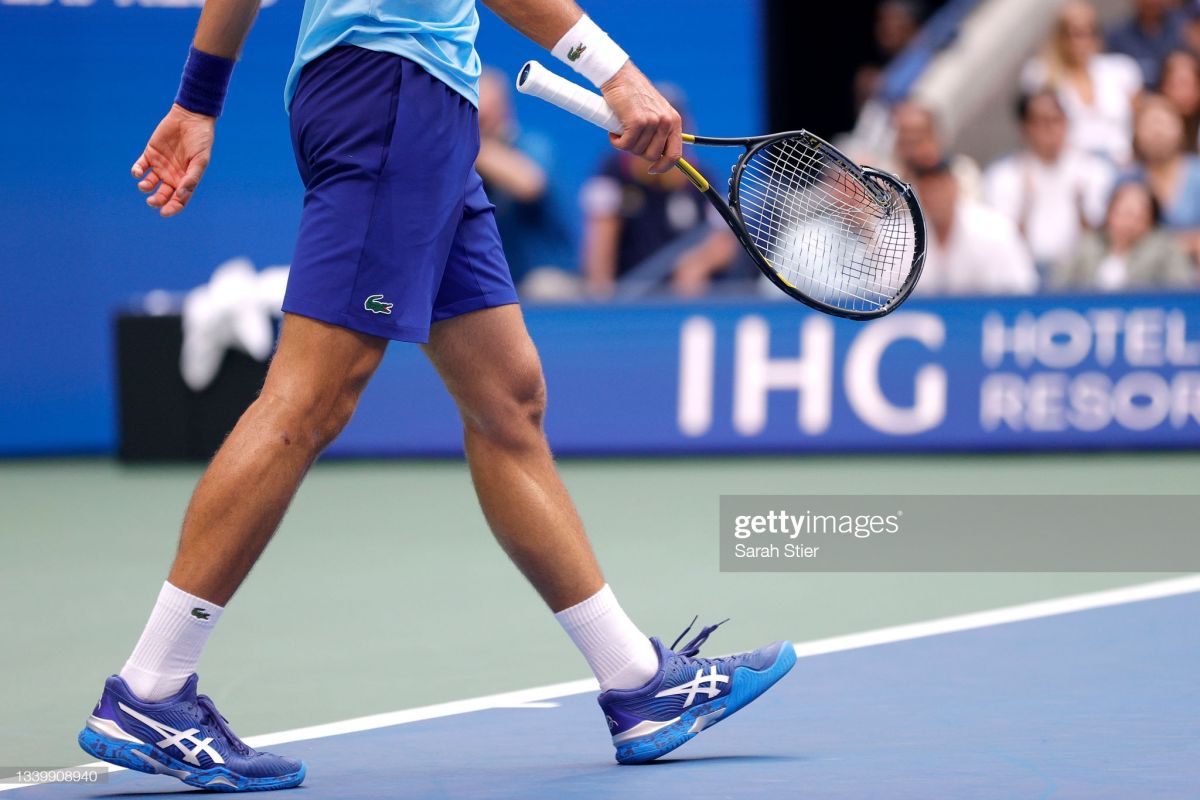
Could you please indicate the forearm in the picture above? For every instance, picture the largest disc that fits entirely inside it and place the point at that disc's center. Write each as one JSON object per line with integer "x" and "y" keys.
{"x": 544, "y": 21}
{"x": 511, "y": 171}
{"x": 712, "y": 255}
{"x": 600, "y": 251}
{"x": 224, "y": 25}
{"x": 650, "y": 127}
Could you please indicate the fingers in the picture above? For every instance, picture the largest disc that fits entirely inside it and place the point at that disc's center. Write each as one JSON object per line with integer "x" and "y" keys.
{"x": 673, "y": 151}
{"x": 161, "y": 195}
{"x": 658, "y": 143}
{"x": 643, "y": 144}
{"x": 186, "y": 187}
{"x": 168, "y": 193}
{"x": 635, "y": 127}
{"x": 651, "y": 126}
{"x": 173, "y": 207}
{"x": 147, "y": 177}
{"x": 654, "y": 137}
{"x": 138, "y": 170}
{"x": 149, "y": 180}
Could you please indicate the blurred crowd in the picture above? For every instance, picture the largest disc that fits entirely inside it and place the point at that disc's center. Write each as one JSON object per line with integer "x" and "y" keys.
{"x": 1102, "y": 194}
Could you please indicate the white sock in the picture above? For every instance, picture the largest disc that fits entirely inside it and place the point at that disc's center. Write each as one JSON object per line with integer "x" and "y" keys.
{"x": 620, "y": 655}
{"x": 171, "y": 644}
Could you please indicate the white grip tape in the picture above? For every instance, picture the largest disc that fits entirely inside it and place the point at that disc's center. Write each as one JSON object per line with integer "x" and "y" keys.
{"x": 536, "y": 80}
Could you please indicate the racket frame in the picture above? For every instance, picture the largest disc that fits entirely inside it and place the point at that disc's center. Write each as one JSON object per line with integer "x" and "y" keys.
{"x": 730, "y": 210}
{"x": 536, "y": 80}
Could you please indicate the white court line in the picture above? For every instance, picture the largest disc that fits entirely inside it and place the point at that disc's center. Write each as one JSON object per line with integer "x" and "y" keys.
{"x": 537, "y": 697}
{"x": 1002, "y": 616}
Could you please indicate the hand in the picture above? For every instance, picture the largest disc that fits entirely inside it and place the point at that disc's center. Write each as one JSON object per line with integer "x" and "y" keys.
{"x": 653, "y": 129}
{"x": 174, "y": 159}
{"x": 691, "y": 277}
{"x": 1190, "y": 241}
{"x": 599, "y": 288}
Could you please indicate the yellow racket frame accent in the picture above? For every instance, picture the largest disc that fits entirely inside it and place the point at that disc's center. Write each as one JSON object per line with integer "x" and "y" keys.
{"x": 692, "y": 174}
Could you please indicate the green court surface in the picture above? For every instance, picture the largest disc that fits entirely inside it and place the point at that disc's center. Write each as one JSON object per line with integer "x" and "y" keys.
{"x": 384, "y": 590}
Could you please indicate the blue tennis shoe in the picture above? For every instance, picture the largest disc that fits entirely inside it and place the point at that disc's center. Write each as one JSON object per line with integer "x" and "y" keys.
{"x": 183, "y": 736}
{"x": 688, "y": 695}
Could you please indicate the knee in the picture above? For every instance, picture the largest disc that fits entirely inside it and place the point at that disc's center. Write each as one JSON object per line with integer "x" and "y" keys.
{"x": 337, "y": 415}
{"x": 512, "y": 415}
{"x": 310, "y": 417}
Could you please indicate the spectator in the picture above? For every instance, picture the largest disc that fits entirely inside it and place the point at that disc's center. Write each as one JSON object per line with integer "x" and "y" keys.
{"x": 1049, "y": 190}
{"x": 921, "y": 145}
{"x": 1096, "y": 89}
{"x": 632, "y": 216}
{"x": 972, "y": 249}
{"x": 896, "y": 24}
{"x": 1172, "y": 173}
{"x": 1189, "y": 31}
{"x": 1128, "y": 253}
{"x": 1180, "y": 84}
{"x": 1149, "y": 36}
{"x": 516, "y": 167}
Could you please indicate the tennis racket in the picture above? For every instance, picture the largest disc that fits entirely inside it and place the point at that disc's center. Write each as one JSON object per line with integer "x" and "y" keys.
{"x": 843, "y": 239}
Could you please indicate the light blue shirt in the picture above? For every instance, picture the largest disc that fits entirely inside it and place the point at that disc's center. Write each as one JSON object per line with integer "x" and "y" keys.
{"x": 437, "y": 34}
{"x": 1181, "y": 212}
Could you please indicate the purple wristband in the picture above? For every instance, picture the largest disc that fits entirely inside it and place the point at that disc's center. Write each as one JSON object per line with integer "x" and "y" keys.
{"x": 204, "y": 83}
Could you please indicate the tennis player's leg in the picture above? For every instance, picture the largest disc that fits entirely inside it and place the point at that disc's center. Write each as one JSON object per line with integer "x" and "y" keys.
{"x": 491, "y": 368}
{"x": 655, "y": 698}
{"x": 313, "y": 385}
{"x": 348, "y": 293}
{"x": 479, "y": 345}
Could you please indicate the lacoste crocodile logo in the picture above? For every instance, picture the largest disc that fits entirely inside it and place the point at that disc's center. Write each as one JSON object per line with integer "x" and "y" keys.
{"x": 375, "y": 305}
{"x": 575, "y": 52}
{"x": 199, "y": 613}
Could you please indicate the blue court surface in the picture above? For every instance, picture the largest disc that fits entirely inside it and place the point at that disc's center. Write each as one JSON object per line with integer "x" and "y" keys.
{"x": 1102, "y": 702}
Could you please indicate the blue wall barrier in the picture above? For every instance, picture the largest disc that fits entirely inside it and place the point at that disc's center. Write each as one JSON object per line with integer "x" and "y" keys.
{"x": 970, "y": 374}
{"x": 85, "y": 83}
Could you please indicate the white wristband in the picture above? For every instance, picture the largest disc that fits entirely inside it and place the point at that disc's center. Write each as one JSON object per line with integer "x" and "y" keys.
{"x": 590, "y": 52}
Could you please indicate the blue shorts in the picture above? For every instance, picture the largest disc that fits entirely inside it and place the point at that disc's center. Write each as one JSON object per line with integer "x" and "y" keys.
{"x": 396, "y": 232}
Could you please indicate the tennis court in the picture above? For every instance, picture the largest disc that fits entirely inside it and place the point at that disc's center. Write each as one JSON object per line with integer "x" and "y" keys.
{"x": 368, "y": 604}
{"x": 974, "y": 518}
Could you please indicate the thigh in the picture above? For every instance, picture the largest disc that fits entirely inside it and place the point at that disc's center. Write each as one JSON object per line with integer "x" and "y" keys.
{"x": 317, "y": 364}
{"x": 487, "y": 360}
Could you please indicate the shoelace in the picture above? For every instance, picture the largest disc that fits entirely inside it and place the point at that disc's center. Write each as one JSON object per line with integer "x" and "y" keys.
{"x": 692, "y": 648}
{"x": 209, "y": 714}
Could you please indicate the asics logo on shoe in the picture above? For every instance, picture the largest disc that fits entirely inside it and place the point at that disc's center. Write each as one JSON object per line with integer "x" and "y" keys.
{"x": 176, "y": 738}
{"x": 709, "y": 684}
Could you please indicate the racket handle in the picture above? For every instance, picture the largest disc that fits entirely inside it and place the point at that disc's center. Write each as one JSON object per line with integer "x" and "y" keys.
{"x": 536, "y": 80}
